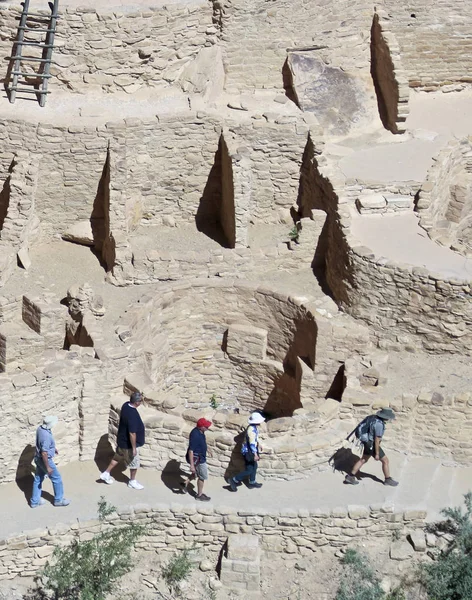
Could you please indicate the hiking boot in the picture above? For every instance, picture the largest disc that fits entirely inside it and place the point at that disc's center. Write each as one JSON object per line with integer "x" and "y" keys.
{"x": 106, "y": 477}
{"x": 391, "y": 481}
{"x": 351, "y": 480}
{"x": 63, "y": 502}
{"x": 132, "y": 483}
{"x": 254, "y": 485}
{"x": 41, "y": 501}
{"x": 203, "y": 498}
{"x": 233, "y": 484}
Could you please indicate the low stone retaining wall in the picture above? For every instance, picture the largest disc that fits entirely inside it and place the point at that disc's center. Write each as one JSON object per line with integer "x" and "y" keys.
{"x": 174, "y": 527}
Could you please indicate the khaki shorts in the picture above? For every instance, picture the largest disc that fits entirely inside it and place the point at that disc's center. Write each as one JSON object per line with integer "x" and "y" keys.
{"x": 126, "y": 455}
{"x": 201, "y": 471}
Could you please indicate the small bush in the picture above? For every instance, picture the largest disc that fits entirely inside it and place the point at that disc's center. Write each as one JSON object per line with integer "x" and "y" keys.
{"x": 214, "y": 401}
{"x": 449, "y": 577}
{"x": 89, "y": 570}
{"x": 294, "y": 234}
{"x": 177, "y": 570}
{"x": 359, "y": 581}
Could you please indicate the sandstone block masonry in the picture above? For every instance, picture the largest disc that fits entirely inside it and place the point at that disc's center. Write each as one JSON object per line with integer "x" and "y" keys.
{"x": 290, "y": 532}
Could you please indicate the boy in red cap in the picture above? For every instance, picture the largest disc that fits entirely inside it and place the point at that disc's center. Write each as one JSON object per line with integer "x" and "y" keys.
{"x": 196, "y": 457}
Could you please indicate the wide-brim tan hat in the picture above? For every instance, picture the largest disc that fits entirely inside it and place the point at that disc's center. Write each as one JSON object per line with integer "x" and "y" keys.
{"x": 386, "y": 413}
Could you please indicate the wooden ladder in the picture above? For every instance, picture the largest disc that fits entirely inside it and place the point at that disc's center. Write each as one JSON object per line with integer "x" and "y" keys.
{"x": 18, "y": 80}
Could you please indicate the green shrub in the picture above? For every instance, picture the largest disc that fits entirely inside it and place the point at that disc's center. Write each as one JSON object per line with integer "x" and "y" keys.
{"x": 177, "y": 570}
{"x": 214, "y": 401}
{"x": 294, "y": 234}
{"x": 89, "y": 570}
{"x": 449, "y": 577}
{"x": 359, "y": 581}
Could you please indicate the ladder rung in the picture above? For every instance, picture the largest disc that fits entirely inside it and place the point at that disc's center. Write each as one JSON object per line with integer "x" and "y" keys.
{"x": 35, "y": 75}
{"x": 37, "y": 44}
{"x": 26, "y": 90}
{"x": 42, "y": 15}
{"x": 34, "y": 29}
{"x": 30, "y": 58}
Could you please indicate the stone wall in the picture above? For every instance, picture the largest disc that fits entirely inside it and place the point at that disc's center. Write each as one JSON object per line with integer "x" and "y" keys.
{"x": 410, "y": 306}
{"x": 254, "y": 57}
{"x": 174, "y": 527}
{"x": 103, "y": 51}
{"x": 434, "y": 40}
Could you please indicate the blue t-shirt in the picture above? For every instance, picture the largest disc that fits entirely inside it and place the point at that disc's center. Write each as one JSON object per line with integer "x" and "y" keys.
{"x": 197, "y": 444}
{"x": 130, "y": 422}
{"x": 45, "y": 442}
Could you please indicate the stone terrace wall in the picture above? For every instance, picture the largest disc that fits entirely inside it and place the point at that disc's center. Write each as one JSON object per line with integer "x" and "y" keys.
{"x": 434, "y": 40}
{"x": 174, "y": 527}
{"x": 254, "y": 55}
{"x": 112, "y": 51}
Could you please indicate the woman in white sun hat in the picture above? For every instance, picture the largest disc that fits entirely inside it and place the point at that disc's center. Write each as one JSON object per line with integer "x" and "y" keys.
{"x": 251, "y": 451}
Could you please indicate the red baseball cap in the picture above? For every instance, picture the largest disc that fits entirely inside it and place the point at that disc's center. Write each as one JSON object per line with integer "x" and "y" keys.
{"x": 203, "y": 423}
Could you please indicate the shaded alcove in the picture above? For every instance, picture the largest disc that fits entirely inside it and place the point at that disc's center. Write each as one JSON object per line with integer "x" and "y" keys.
{"x": 287, "y": 81}
{"x": 284, "y": 397}
{"x": 4, "y": 202}
{"x": 5, "y": 198}
{"x": 216, "y": 215}
{"x": 383, "y": 77}
{"x": 103, "y": 242}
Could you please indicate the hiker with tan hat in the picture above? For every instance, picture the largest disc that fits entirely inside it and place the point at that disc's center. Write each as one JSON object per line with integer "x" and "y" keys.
{"x": 44, "y": 459}
{"x": 250, "y": 450}
{"x": 370, "y": 432}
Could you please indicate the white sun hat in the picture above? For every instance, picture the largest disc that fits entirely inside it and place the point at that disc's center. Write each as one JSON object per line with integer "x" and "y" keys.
{"x": 256, "y": 419}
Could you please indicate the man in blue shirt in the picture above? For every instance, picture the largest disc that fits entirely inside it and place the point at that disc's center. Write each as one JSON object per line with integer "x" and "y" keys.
{"x": 196, "y": 456}
{"x": 129, "y": 439}
{"x": 44, "y": 460}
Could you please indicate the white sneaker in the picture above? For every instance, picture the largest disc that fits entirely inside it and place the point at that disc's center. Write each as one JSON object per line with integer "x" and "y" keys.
{"x": 106, "y": 477}
{"x": 132, "y": 483}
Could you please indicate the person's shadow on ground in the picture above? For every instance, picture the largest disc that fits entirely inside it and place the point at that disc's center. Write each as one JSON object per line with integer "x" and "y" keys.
{"x": 344, "y": 459}
{"x": 25, "y": 474}
{"x": 236, "y": 462}
{"x": 174, "y": 475}
{"x": 103, "y": 454}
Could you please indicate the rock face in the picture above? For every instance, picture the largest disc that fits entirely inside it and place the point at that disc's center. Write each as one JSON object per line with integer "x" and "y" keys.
{"x": 336, "y": 98}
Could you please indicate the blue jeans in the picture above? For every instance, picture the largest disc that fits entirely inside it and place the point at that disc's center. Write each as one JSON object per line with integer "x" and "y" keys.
{"x": 39, "y": 476}
{"x": 249, "y": 471}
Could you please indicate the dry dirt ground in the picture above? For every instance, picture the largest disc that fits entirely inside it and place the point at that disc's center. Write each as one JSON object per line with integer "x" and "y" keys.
{"x": 314, "y": 577}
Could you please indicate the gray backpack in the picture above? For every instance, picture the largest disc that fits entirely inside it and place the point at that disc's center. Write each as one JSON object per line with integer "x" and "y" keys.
{"x": 365, "y": 430}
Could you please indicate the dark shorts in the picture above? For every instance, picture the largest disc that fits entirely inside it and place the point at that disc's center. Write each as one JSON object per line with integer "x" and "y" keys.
{"x": 369, "y": 451}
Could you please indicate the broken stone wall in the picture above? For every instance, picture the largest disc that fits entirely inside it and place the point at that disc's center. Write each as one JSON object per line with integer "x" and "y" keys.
{"x": 289, "y": 531}
{"x": 390, "y": 80}
{"x": 254, "y": 54}
{"x": 19, "y": 227}
{"x": 121, "y": 51}
{"x": 434, "y": 40}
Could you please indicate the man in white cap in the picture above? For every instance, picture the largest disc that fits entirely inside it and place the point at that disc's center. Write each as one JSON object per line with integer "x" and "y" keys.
{"x": 250, "y": 450}
{"x": 44, "y": 459}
